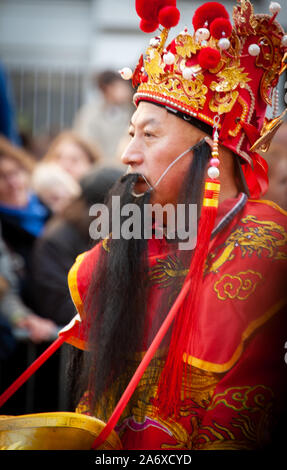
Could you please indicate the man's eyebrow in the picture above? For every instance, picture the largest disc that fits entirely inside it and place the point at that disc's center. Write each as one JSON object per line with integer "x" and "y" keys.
{"x": 147, "y": 121}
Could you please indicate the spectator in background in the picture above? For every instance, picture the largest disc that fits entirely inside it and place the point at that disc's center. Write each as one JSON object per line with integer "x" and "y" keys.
{"x": 54, "y": 186}
{"x": 64, "y": 238}
{"x": 13, "y": 312}
{"x": 22, "y": 214}
{"x": 276, "y": 158}
{"x": 8, "y": 125}
{"x": 7, "y": 341}
{"x": 106, "y": 117}
{"x": 281, "y": 135}
{"x": 73, "y": 153}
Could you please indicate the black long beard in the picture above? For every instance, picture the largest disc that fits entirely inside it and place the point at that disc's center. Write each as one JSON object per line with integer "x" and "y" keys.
{"x": 117, "y": 297}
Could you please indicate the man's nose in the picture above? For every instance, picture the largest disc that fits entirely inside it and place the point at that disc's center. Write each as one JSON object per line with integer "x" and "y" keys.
{"x": 133, "y": 154}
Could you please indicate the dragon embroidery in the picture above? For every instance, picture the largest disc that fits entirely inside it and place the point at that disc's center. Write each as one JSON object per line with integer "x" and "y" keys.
{"x": 254, "y": 236}
{"x": 264, "y": 238}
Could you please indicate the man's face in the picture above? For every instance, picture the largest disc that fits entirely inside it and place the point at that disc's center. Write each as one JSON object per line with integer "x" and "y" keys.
{"x": 157, "y": 139}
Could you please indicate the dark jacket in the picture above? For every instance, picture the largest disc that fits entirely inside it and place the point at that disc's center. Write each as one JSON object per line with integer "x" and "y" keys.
{"x": 54, "y": 254}
{"x": 63, "y": 240}
{"x": 20, "y": 243}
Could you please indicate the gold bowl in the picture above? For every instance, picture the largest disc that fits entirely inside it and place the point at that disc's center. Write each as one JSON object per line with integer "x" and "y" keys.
{"x": 53, "y": 431}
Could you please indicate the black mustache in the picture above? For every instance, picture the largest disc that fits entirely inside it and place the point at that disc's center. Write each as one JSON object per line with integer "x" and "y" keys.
{"x": 130, "y": 180}
{"x": 130, "y": 177}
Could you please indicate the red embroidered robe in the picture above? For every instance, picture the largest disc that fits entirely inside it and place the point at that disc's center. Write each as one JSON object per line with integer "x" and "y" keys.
{"x": 238, "y": 375}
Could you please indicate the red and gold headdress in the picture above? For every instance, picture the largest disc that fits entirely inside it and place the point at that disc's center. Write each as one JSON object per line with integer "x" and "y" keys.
{"x": 224, "y": 76}
{"x": 223, "y": 72}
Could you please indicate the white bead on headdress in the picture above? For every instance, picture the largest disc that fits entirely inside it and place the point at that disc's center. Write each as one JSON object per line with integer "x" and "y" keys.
{"x": 254, "y": 49}
{"x": 126, "y": 73}
{"x": 274, "y": 7}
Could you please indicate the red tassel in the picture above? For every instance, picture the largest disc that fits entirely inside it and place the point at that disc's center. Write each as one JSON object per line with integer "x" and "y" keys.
{"x": 184, "y": 333}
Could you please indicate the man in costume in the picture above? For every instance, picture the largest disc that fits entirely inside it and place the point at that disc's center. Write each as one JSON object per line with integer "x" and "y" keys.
{"x": 218, "y": 379}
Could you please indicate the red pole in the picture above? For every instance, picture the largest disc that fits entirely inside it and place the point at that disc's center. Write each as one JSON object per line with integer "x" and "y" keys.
{"x": 115, "y": 416}
{"x": 33, "y": 367}
{"x": 131, "y": 386}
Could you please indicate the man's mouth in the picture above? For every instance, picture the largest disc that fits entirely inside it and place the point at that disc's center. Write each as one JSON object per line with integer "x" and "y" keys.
{"x": 141, "y": 185}
{"x": 141, "y": 179}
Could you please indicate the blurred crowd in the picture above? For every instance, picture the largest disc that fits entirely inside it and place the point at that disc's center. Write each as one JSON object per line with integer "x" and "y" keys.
{"x": 277, "y": 161}
{"x": 45, "y": 201}
{"x": 44, "y": 208}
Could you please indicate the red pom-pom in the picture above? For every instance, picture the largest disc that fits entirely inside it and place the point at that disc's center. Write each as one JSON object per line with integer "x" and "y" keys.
{"x": 155, "y": 12}
{"x": 148, "y": 26}
{"x": 147, "y": 10}
{"x": 207, "y": 13}
{"x": 209, "y": 58}
{"x": 169, "y": 17}
{"x": 220, "y": 27}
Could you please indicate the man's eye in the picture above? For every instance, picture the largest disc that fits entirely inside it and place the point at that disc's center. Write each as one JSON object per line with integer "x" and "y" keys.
{"x": 131, "y": 134}
{"x": 147, "y": 134}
